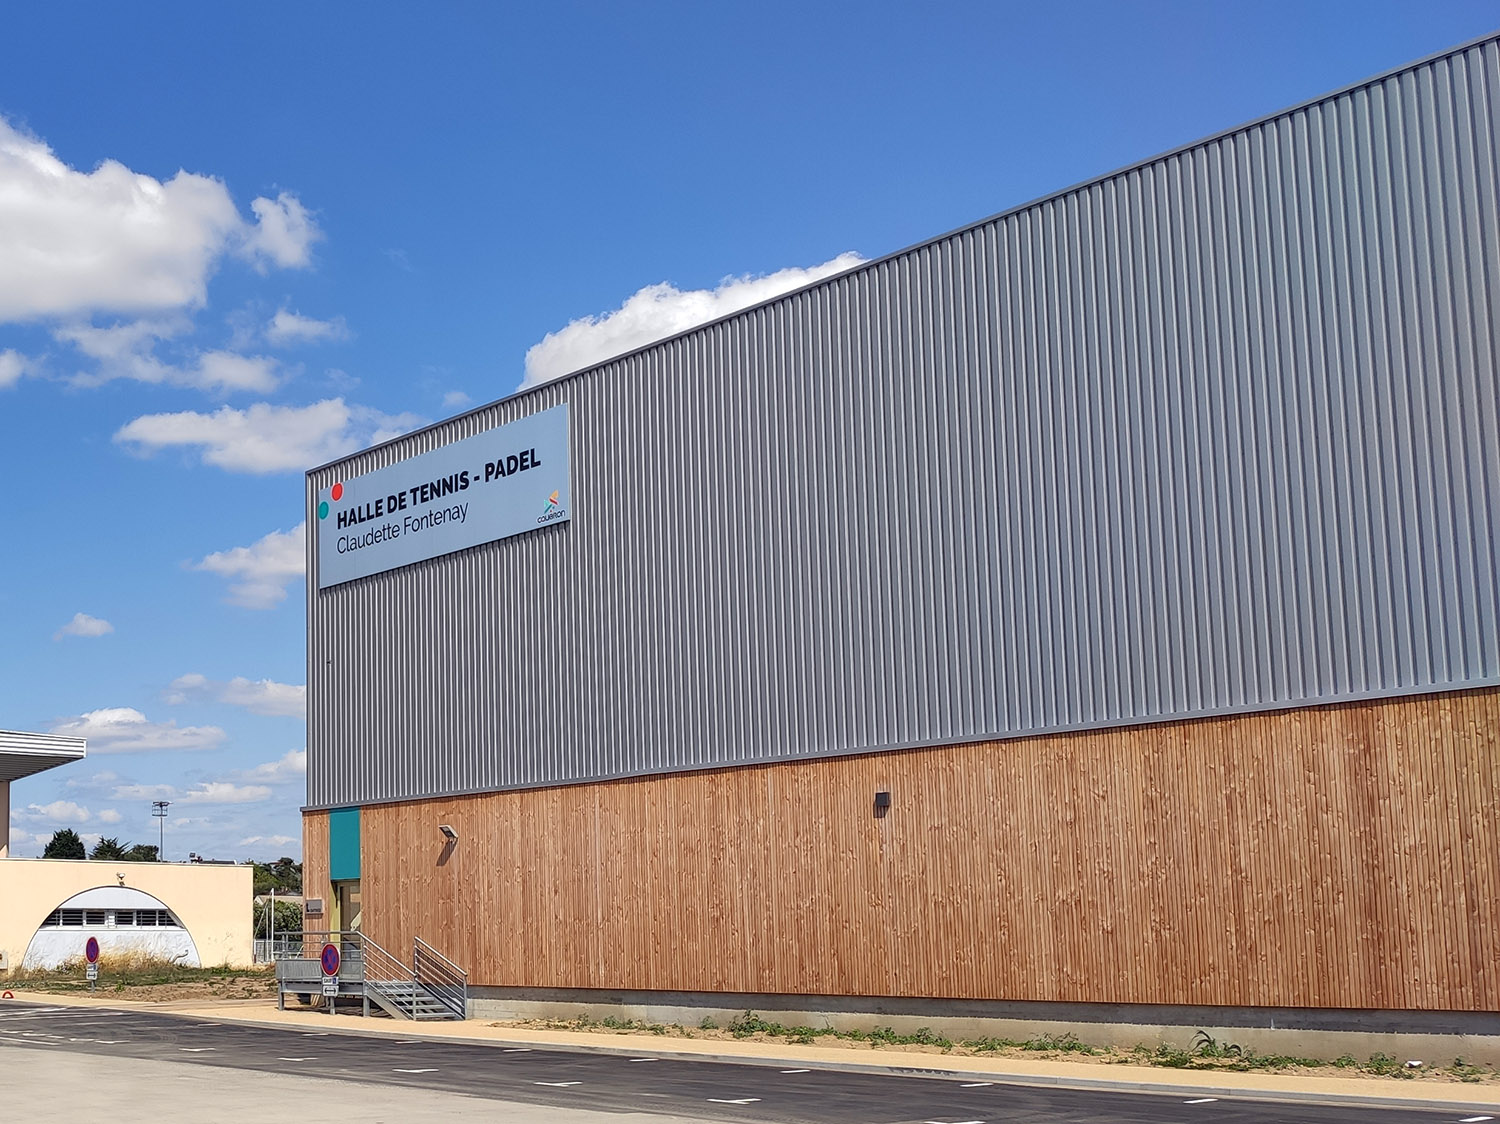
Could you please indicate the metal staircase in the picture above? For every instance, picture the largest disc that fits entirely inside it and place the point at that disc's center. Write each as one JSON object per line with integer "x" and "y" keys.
{"x": 433, "y": 988}
{"x": 412, "y": 993}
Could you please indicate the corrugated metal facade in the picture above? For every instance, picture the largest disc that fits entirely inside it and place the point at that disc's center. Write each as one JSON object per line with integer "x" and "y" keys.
{"x": 1214, "y": 433}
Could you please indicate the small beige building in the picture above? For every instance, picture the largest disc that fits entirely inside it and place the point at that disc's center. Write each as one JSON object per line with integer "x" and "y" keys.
{"x": 193, "y": 913}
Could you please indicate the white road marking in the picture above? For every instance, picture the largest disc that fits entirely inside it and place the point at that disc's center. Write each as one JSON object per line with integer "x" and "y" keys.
{"x": 516, "y": 1050}
{"x": 197, "y": 1049}
{"x": 296, "y": 1059}
{"x": 796, "y": 1071}
{"x": 413, "y": 1071}
{"x": 315, "y": 1034}
{"x": 644, "y": 1059}
{"x": 955, "y": 1122}
{"x": 977, "y": 1085}
{"x": 558, "y": 1084}
{"x": 1202, "y": 1100}
{"x": 742, "y": 1100}
{"x": 1474, "y": 1119}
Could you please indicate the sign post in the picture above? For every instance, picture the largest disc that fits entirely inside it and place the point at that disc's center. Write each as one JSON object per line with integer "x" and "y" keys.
{"x": 91, "y": 954}
{"x": 331, "y": 959}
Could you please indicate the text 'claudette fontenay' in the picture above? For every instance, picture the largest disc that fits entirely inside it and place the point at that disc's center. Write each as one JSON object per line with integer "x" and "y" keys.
{"x": 400, "y": 514}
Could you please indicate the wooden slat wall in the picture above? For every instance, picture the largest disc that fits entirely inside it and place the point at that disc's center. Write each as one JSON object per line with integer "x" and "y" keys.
{"x": 1345, "y": 856}
{"x": 315, "y": 882}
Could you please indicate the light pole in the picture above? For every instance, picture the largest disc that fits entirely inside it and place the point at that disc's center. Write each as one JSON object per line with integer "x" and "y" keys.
{"x": 159, "y": 811}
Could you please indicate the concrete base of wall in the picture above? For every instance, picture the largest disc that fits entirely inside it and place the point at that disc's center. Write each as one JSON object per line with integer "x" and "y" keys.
{"x": 1432, "y": 1037}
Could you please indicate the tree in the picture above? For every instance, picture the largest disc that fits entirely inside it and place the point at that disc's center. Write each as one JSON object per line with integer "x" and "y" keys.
{"x": 284, "y": 876}
{"x": 288, "y": 919}
{"x": 64, "y": 844}
{"x": 141, "y": 853}
{"x": 109, "y": 849}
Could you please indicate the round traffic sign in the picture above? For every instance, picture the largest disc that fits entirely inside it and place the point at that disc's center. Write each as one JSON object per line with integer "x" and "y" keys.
{"x": 330, "y": 959}
{"x": 91, "y": 950}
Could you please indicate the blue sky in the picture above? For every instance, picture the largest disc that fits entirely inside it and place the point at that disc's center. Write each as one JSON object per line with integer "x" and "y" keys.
{"x": 235, "y": 242}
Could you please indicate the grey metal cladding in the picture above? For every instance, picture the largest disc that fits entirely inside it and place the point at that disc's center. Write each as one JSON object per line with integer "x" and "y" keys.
{"x": 1211, "y": 434}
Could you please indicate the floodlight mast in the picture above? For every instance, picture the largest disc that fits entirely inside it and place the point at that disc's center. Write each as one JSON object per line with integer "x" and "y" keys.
{"x": 159, "y": 811}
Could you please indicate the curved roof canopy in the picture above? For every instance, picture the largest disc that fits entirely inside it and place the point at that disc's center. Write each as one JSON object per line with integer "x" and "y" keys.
{"x": 21, "y": 755}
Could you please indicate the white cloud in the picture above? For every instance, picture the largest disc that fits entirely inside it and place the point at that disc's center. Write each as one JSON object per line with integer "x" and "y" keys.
{"x": 265, "y": 438}
{"x": 289, "y": 767}
{"x": 13, "y": 367}
{"x": 284, "y": 233}
{"x": 223, "y": 792}
{"x": 262, "y": 696}
{"x": 456, "y": 400}
{"x": 291, "y": 328}
{"x": 98, "y": 781}
{"x": 57, "y": 810}
{"x": 659, "y": 311}
{"x": 113, "y": 240}
{"x": 109, "y": 815}
{"x": 128, "y": 351}
{"x": 144, "y": 792}
{"x": 260, "y": 573}
{"x": 84, "y": 625}
{"x": 273, "y": 840}
{"x": 121, "y": 729}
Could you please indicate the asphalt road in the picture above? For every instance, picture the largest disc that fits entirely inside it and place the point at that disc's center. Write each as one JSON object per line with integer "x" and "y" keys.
{"x": 610, "y": 1083}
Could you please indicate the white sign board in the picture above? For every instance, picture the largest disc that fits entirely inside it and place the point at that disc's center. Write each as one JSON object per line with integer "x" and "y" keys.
{"x": 503, "y": 482}
{"x": 91, "y": 972}
{"x": 330, "y": 985}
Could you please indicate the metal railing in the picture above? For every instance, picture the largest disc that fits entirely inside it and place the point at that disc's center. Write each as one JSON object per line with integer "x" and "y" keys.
{"x": 444, "y": 980}
{"x": 433, "y": 985}
{"x": 282, "y": 948}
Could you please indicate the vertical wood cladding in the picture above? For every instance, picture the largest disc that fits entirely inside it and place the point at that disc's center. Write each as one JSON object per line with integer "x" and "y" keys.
{"x": 1345, "y": 856}
{"x": 315, "y": 881}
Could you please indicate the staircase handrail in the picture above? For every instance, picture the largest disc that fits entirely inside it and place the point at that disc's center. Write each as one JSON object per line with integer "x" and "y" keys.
{"x": 443, "y": 979}
{"x": 388, "y": 968}
{"x": 419, "y": 943}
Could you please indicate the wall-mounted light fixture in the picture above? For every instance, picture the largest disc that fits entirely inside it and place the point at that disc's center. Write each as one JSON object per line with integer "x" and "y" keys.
{"x": 448, "y": 833}
{"x": 882, "y": 803}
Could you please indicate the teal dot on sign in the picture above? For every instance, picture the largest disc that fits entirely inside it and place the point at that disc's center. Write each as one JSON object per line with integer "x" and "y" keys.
{"x": 323, "y": 510}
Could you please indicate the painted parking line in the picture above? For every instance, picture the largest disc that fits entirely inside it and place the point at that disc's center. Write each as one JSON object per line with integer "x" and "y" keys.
{"x": 558, "y": 1084}
{"x": 1202, "y": 1100}
{"x": 197, "y": 1049}
{"x": 742, "y": 1100}
{"x": 644, "y": 1059}
{"x": 296, "y": 1059}
{"x": 977, "y": 1085}
{"x": 413, "y": 1071}
{"x": 516, "y": 1050}
{"x": 796, "y": 1071}
{"x": 955, "y": 1122}
{"x": 1475, "y": 1119}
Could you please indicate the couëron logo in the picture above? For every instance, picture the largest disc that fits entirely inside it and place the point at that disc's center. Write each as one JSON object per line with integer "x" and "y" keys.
{"x": 338, "y": 494}
{"x": 553, "y": 510}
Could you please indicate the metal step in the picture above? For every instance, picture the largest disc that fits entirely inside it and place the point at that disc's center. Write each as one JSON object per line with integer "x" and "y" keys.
{"x": 404, "y": 999}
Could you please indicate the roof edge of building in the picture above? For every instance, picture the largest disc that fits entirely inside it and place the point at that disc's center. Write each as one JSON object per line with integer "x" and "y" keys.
{"x": 1049, "y": 197}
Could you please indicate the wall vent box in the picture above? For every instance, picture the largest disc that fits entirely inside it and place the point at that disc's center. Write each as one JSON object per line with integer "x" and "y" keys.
{"x": 313, "y": 906}
{"x": 882, "y": 800}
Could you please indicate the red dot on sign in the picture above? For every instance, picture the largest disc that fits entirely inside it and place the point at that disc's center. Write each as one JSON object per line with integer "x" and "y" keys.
{"x": 338, "y": 491}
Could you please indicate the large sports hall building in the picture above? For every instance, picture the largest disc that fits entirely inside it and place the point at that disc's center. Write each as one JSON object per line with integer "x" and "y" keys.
{"x": 1095, "y": 609}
